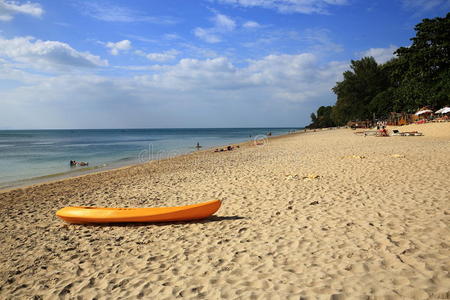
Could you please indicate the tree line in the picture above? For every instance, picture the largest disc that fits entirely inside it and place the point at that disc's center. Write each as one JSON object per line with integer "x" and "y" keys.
{"x": 418, "y": 76}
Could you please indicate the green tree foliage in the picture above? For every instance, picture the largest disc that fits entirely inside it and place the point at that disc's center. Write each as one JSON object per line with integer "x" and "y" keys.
{"x": 313, "y": 118}
{"x": 358, "y": 89}
{"x": 418, "y": 76}
{"x": 424, "y": 66}
{"x": 382, "y": 104}
{"x": 323, "y": 118}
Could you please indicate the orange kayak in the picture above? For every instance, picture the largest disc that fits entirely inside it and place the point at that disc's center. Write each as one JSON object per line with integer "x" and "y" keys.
{"x": 81, "y": 215}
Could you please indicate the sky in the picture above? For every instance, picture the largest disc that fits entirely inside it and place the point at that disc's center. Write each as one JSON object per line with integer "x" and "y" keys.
{"x": 180, "y": 63}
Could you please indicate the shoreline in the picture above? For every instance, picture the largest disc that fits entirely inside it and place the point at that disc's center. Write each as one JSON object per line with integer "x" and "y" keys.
{"x": 50, "y": 178}
{"x": 326, "y": 214}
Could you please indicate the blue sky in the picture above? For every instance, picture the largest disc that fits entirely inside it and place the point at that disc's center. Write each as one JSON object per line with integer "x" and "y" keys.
{"x": 204, "y": 63}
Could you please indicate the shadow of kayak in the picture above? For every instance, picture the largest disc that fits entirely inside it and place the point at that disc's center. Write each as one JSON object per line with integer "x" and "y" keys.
{"x": 210, "y": 219}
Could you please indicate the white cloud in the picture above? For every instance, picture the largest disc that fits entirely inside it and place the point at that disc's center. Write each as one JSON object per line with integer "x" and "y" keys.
{"x": 115, "y": 48}
{"x": 320, "y": 39}
{"x": 275, "y": 90}
{"x": 114, "y": 13}
{"x": 292, "y": 74}
{"x": 9, "y": 8}
{"x": 425, "y": 5}
{"x": 191, "y": 74}
{"x": 295, "y": 78}
{"x": 163, "y": 56}
{"x": 47, "y": 55}
{"x": 251, "y": 24}
{"x": 381, "y": 55}
{"x": 159, "y": 56}
{"x": 9, "y": 71}
{"x": 198, "y": 52}
{"x": 289, "y": 6}
{"x": 222, "y": 24}
{"x": 313, "y": 40}
{"x": 141, "y": 38}
{"x": 207, "y": 35}
{"x": 172, "y": 36}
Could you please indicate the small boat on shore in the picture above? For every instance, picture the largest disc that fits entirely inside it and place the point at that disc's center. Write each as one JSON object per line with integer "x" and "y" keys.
{"x": 84, "y": 214}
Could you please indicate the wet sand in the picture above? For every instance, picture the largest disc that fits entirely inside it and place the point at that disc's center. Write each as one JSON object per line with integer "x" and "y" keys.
{"x": 321, "y": 214}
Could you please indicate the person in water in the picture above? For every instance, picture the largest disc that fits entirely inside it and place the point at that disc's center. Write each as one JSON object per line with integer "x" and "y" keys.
{"x": 74, "y": 163}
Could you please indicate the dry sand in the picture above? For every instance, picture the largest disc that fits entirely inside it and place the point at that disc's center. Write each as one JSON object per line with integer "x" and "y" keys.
{"x": 327, "y": 214}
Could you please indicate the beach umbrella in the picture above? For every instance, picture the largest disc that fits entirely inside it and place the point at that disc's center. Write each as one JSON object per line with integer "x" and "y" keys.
{"x": 443, "y": 110}
{"x": 425, "y": 111}
{"x": 446, "y": 110}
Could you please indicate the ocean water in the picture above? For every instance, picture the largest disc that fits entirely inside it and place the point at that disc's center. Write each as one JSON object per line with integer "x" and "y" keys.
{"x": 45, "y": 154}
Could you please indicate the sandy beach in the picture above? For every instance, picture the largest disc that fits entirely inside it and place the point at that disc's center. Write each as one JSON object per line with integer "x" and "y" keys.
{"x": 326, "y": 214}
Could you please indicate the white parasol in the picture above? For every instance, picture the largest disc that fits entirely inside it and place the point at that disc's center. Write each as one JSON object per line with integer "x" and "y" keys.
{"x": 443, "y": 110}
{"x": 425, "y": 111}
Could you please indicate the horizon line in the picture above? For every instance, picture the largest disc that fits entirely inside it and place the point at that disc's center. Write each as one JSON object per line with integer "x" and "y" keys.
{"x": 134, "y": 128}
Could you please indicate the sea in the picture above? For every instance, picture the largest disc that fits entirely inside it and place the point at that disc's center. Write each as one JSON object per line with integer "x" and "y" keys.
{"x": 31, "y": 156}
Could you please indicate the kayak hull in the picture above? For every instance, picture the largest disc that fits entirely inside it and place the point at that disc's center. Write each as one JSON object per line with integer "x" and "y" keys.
{"x": 84, "y": 214}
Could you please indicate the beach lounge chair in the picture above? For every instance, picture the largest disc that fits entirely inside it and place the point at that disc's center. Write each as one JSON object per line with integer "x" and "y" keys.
{"x": 395, "y": 132}
{"x": 370, "y": 132}
{"x": 406, "y": 133}
{"x": 382, "y": 133}
{"x": 366, "y": 133}
{"x": 411, "y": 133}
